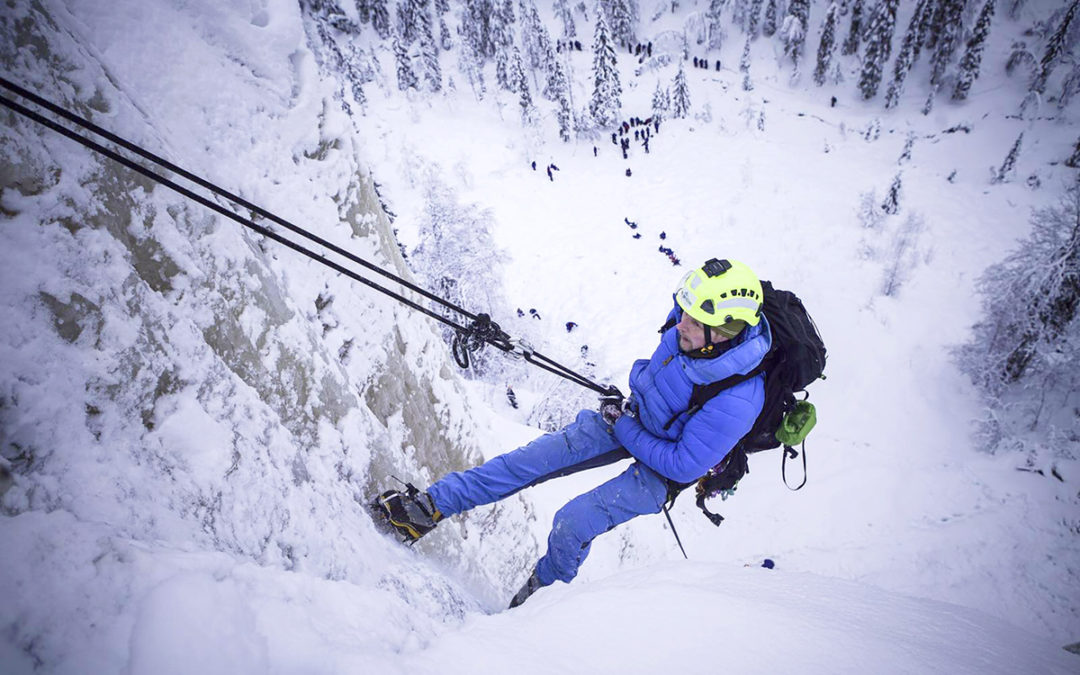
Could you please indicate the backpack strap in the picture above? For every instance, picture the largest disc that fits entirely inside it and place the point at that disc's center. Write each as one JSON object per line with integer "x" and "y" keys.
{"x": 703, "y": 393}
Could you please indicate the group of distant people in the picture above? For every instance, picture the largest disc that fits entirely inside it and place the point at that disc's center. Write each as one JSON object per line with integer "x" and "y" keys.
{"x": 551, "y": 168}
{"x": 642, "y": 50}
{"x": 568, "y": 45}
{"x": 704, "y": 64}
{"x": 621, "y": 137}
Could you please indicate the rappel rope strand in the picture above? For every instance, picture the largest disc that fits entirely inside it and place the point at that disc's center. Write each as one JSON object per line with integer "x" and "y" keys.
{"x": 496, "y": 337}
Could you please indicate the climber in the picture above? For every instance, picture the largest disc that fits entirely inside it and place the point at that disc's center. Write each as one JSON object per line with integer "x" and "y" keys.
{"x": 715, "y": 330}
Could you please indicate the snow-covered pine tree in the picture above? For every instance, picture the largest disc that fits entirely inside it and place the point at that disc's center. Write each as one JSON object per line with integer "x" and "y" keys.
{"x": 406, "y": 21}
{"x": 851, "y": 44}
{"x": 879, "y": 35}
{"x": 659, "y": 102}
{"x": 972, "y": 58}
{"x": 380, "y": 18}
{"x": 429, "y": 50}
{"x": 793, "y": 32}
{"x": 1007, "y": 167}
{"x": 556, "y": 83}
{"x": 560, "y": 86}
{"x": 502, "y": 25}
{"x": 476, "y": 28}
{"x": 827, "y": 44}
{"x": 471, "y": 66}
{"x": 566, "y": 15}
{"x": 945, "y": 35}
{"x": 1069, "y": 86}
{"x": 753, "y": 18}
{"x": 713, "y": 18}
{"x": 622, "y": 22}
{"x": 1055, "y": 46}
{"x": 892, "y": 200}
{"x": 909, "y": 50}
{"x": 768, "y": 23}
{"x": 740, "y": 10}
{"x": 605, "y": 103}
{"x": 1074, "y": 159}
{"x": 521, "y": 84}
{"x": 534, "y": 36}
{"x": 744, "y": 60}
{"x": 1021, "y": 57}
{"x": 406, "y": 77}
{"x": 503, "y": 76}
{"x": 363, "y": 9}
{"x": 446, "y": 40}
{"x": 1014, "y": 8}
{"x": 680, "y": 95}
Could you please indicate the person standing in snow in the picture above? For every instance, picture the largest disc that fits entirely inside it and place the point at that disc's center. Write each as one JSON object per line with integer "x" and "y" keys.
{"x": 715, "y": 330}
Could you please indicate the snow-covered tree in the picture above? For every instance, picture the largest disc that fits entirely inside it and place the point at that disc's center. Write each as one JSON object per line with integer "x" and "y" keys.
{"x": 605, "y": 103}
{"x": 560, "y": 87}
{"x": 406, "y": 77}
{"x": 879, "y": 35}
{"x": 793, "y": 32}
{"x": 740, "y": 11}
{"x": 972, "y": 58}
{"x": 680, "y": 95}
{"x": 1008, "y": 166}
{"x": 1069, "y": 86}
{"x": 1074, "y": 159}
{"x": 945, "y": 35}
{"x": 472, "y": 68}
{"x": 660, "y": 101}
{"x": 429, "y": 50}
{"x": 534, "y": 36}
{"x": 521, "y": 85}
{"x": 1021, "y": 57}
{"x": 477, "y": 22}
{"x": 1040, "y": 282}
{"x": 622, "y": 21}
{"x": 744, "y": 60}
{"x": 566, "y": 15}
{"x": 457, "y": 258}
{"x": 892, "y": 200}
{"x": 1055, "y": 47}
{"x": 502, "y": 69}
{"x": 714, "y": 22}
{"x": 851, "y": 44}
{"x": 753, "y": 18}
{"x": 772, "y": 15}
{"x": 380, "y": 18}
{"x": 909, "y": 50}
{"x": 827, "y": 44}
{"x": 1014, "y": 8}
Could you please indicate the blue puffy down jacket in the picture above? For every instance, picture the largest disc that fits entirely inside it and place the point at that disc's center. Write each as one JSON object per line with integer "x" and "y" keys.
{"x": 661, "y": 387}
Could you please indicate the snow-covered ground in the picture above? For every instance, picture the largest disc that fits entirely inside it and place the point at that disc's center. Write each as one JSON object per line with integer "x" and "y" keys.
{"x": 909, "y": 550}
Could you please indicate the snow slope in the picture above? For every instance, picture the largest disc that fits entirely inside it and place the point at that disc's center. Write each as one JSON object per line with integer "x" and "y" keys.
{"x": 132, "y": 545}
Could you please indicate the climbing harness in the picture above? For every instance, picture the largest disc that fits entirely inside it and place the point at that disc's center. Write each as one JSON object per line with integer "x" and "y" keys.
{"x": 470, "y": 334}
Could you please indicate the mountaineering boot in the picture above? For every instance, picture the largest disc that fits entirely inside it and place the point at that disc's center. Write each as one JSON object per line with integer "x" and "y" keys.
{"x": 411, "y": 514}
{"x": 532, "y": 585}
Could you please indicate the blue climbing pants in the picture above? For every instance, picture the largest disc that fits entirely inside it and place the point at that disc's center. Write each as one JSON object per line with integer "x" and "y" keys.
{"x": 586, "y": 443}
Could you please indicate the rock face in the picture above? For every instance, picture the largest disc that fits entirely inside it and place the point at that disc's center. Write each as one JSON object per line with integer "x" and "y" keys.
{"x": 172, "y": 382}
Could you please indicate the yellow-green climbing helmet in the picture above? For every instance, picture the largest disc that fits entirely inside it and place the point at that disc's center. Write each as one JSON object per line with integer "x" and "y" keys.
{"x": 724, "y": 294}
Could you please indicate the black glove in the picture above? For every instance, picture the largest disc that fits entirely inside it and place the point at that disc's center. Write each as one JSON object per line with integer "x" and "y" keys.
{"x": 613, "y": 406}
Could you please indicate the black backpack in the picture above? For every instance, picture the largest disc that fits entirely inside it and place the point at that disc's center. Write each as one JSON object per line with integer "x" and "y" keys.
{"x": 795, "y": 359}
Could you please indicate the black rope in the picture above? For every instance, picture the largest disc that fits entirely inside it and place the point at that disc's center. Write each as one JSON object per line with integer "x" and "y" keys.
{"x": 468, "y": 338}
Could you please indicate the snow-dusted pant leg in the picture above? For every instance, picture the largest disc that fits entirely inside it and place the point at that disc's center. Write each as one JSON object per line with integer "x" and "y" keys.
{"x": 636, "y": 491}
{"x": 585, "y": 443}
